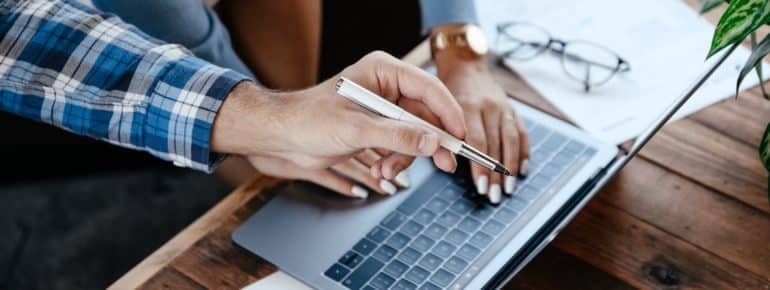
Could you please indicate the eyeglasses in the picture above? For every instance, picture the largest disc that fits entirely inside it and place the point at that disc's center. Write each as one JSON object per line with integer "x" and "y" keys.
{"x": 584, "y": 61}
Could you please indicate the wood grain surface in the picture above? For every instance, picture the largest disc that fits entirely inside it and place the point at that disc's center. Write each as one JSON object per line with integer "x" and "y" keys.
{"x": 690, "y": 212}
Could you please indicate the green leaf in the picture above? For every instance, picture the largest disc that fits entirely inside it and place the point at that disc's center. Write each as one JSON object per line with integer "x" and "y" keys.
{"x": 755, "y": 59}
{"x": 740, "y": 19}
{"x": 708, "y": 5}
{"x": 758, "y": 68}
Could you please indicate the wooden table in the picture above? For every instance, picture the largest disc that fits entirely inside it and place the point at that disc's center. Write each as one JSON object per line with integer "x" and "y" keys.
{"x": 690, "y": 212}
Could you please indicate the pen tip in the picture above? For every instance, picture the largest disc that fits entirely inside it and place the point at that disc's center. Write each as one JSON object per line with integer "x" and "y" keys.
{"x": 503, "y": 170}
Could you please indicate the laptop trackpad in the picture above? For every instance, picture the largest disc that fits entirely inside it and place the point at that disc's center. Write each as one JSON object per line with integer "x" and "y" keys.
{"x": 305, "y": 228}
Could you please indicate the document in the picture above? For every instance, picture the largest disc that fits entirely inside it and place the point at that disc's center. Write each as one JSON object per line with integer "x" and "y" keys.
{"x": 665, "y": 42}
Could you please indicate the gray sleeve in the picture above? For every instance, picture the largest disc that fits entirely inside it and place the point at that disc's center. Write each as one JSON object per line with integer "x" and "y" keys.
{"x": 437, "y": 12}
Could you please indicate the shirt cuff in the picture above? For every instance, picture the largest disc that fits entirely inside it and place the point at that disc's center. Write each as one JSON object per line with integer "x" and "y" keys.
{"x": 438, "y": 12}
{"x": 185, "y": 99}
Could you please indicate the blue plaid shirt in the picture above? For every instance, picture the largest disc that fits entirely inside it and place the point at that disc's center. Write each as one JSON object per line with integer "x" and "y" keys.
{"x": 71, "y": 66}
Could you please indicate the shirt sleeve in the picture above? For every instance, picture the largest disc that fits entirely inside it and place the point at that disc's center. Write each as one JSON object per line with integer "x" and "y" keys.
{"x": 70, "y": 66}
{"x": 438, "y": 12}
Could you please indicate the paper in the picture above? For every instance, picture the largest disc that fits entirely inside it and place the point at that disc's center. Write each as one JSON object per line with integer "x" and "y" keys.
{"x": 665, "y": 41}
{"x": 278, "y": 280}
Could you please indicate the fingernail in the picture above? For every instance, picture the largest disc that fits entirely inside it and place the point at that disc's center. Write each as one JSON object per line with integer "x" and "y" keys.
{"x": 482, "y": 184}
{"x": 524, "y": 167}
{"x": 494, "y": 194}
{"x": 388, "y": 187}
{"x": 510, "y": 184}
{"x": 428, "y": 144}
{"x": 402, "y": 178}
{"x": 359, "y": 192}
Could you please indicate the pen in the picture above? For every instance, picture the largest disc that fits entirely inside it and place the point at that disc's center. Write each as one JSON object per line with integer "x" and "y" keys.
{"x": 378, "y": 105}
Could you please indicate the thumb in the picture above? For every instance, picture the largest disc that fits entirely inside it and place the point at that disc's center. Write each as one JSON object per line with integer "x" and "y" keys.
{"x": 401, "y": 137}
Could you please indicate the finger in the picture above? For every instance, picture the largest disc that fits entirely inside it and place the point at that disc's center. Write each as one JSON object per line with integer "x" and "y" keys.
{"x": 399, "y": 79}
{"x": 419, "y": 109}
{"x": 332, "y": 181}
{"x": 492, "y": 119}
{"x": 368, "y": 157}
{"x": 512, "y": 151}
{"x": 398, "y": 136}
{"x": 524, "y": 148}
{"x": 394, "y": 168}
{"x": 445, "y": 160}
{"x": 356, "y": 171}
{"x": 477, "y": 139}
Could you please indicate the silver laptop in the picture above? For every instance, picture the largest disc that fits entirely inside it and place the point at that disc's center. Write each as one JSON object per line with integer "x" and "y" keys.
{"x": 438, "y": 234}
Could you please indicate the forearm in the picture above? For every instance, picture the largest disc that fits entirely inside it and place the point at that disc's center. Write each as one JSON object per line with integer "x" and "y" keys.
{"x": 441, "y": 12}
{"x": 69, "y": 66}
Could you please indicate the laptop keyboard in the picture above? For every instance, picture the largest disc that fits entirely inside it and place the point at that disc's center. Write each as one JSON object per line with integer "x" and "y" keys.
{"x": 443, "y": 234}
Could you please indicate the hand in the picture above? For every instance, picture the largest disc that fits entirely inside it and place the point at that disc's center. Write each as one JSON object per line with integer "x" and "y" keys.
{"x": 493, "y": 125}
{"x": 316, "y": 129}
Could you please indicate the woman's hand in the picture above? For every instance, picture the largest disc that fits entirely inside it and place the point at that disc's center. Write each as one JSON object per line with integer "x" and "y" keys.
{"x": 492, "y": 123}
{"x": 316, "y": 130}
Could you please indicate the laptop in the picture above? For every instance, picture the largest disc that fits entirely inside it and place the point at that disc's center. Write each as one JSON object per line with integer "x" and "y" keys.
{"x": 438, "y": 234}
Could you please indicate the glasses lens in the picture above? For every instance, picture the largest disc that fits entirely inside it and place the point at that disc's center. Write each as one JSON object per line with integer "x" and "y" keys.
{"x": 589, "y": 63}
{"x": 522, "y": 41}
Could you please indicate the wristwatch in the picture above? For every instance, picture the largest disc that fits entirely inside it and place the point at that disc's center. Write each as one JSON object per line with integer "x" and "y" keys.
{"x": 468, "y": 37}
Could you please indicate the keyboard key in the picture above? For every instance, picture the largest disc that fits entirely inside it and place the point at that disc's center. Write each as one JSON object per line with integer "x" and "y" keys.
{"x": 455, "y": 265}
{"x": 448, "y": 219}
{"x": 480, "y": 240}
{"x": 493, "y": 228}
{"x": 550, "y": 170}
{"x": 451, "y": 193}
{"x": 411, "y": 228}
{"x": 442, "y": 278}
{"x": 424, "y": 217}
{"x": 398, "y": 241}
{"x": 429, "y": 286}
{"x": 393, "y": 220}
{"x": 468, "y": 252}
{"x": 505, "y": 215}
{"x": 437, "y": 205}
{"x": 574, "y": 147}
{"x": 409, "y": 256}
{"x": 415, "y": 201}
{"x": 528, "y": 193}
{"x": 417, "y": 275}
{"x": 404, "y": 285}
{"x": 385, "y": 253}
{"x": 336, "y": 272}
{"x": 554, "y": 141}
{"x": 539, "y": 181}
{"x": 382, "y": 281}
{"x": 422, "y": 243}
{"x": 365, "y": 246}
{"x": 469, "y": 225}
{"x": 482, "y": 212}
{"x": 396, "y": 268}
{"x": 443, "y": 249}
{"x": 378, "y": 234}
{"x": 456, "y": 237}
{"x": 463, "y": 206}
{"x": 516, "y": 204}
{"x": 362, "y": 274}
{"x": 351, "y": 259}
{"x": 435, "y": 231}
{"x": 369, "y": 287}
{"x": 431, "y": 262}
{"x": 563, "y": 158}
{"x": 537, "y": 135}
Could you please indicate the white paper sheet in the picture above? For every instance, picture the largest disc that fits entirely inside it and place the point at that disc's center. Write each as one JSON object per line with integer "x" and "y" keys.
{"x": 665, "y": 42}
{"x": 278, "y": 280}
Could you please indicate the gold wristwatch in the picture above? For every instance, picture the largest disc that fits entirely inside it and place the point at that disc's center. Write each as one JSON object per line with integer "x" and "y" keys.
{"x": 469, "y": 37}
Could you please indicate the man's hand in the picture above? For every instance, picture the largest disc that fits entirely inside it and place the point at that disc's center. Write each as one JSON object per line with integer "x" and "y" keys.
{"x": 317, "y": 131}
{"x": 493, "y": 125}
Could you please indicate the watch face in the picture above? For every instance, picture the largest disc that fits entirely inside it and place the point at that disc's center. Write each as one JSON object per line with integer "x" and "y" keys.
{"x": 476, "y": 40}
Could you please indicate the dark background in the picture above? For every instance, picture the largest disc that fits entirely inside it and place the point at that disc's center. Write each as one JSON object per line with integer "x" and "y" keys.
{"x": 76, "y": 213}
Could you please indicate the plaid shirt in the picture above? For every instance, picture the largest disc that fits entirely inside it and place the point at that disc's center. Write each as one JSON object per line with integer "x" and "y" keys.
{"x": 68, "y": 65}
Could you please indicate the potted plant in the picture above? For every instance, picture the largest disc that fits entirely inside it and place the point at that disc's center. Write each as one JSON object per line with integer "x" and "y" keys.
{"x": 741, "y": 19}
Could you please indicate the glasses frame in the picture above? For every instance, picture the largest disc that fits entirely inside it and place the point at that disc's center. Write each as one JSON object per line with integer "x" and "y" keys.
{"x": 559, "y": 47}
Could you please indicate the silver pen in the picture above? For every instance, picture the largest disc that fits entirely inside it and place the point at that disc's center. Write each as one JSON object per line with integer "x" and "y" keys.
{"x": 378, "y": 105}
